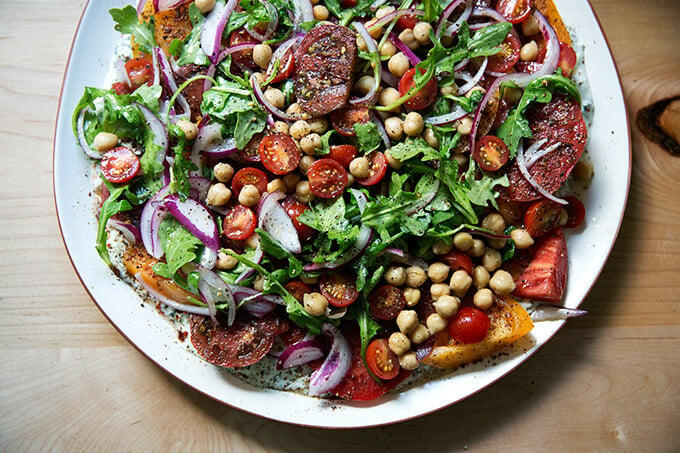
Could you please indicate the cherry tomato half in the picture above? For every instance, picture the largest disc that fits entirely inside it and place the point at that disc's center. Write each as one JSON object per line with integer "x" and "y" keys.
{"x": 469, "y": 325}
{"x": 294, "y": 208}
{"x": 343, "y": 120}
{"x": 378, "y": 167}
{"x": 491, "y": 153}
{"x": 504, "y": 60}
{"x": 244, "y": 57}
{"x": 249, "y": 175}
{"x": 386, "y": 302}
{"x": 576, "y": 212}
{"x": 286, "y": 66}
{"x": 279, "y": 153}
{"x": 297, "y": 289}
{"x": 139, "y": 71}
{"x": 406, "y": 21}
{"x": 515, "y": 11}
{"x": 567, "y": 59}
{"x": 425, "y": 96}
{"x": 542, "y": 217}
{"x": 251, "y": 152}
{"x": 327, "y": 178}
{"x": 344, "y": 154}
{"x": 458, "y": 260}
{"x": 339, "y": 289}
{"x": 381, "y": 360}
{"x": 121, "y": 88}
{"x": 239, "y": 223}
{"x": 119, "y": 165}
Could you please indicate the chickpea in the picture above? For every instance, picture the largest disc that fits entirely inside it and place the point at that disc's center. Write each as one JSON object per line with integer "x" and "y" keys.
{"x": 430, "y": 138}
{"x": 189, "y": 129}
{"x": 318, "y": 125}
{"x": 394, "y": 127}
{"x": 497, "y": 244}
{"x": 409, "y": 361}
{"x": 104, "y": 141}
{"x": 530, "y": 26}
{"x": 281, "y": 127}
{"x": 259, "y": 77}
{"x": 275, "y": 97}
{"x": 388, "y": 96}
{"x": 583, "y": 170}
{"x": 463, "y": 241}
{"x": 491, "y": 259}
{"x": 478, "y": 248}
{"x": 399, "y": 343}
{"x": 205, "y": 6}
{"x": 408, "y": 38}
{"x": 388, "y": 49}
{"x": 441, "y": 247}
{"x": 223, "y": 172}
{"x": 249, "y": 196}
{"x": 522, "y": 238}
{"x": 360, "y": 167}
{"x": 364, "y": 84}
{"x": 262, "y": 54}
{"x": 294, "y": 109}
{"x": 258, "y": 283}
{"x": 438, "y": 272}
{"x": 310, "y": 143}
{"x": 303, "y": 192}
{"x": 461, "y": 159}
{"x": 361, "y": 43}
{"x": 413, "y": 124}
{"x": 435, "y": 323}
{"x": 449, "y": 90}
{"x": 529, "y": 51}
{"x": 460, "y": 282}
{"x": 501, "y": 283}
{"x": 419, "y": 335}
{"x": 392, "y": 161}
{"x": 275, "y": 185}
{"x": 375, "y": 32}
{"x": 421, "y": 32}
{"x": 438, "y": 290}
{"x": 407, "y": 320}
{"x": 395, "y": 275}
{"x": 299, "y": 129}
{"x": 225, "y": 262}
{"x": 447, "y": 306}
{"x": 483, "y": 299}
{"x": 480, "y": 277}
{"x": 291, "y": 180}
{"x": 412, "y": 296}
{"x": 218, "y": 195}
{"x": 415, "y": 276}
{"x": 398, "y": 64}
{"x": 464, "y": 126}
{"x": 350, "y": 179}
{"x": 253, "y": 241}
{"x": 320, "y": 12}
{"x": 305, "y": 163}
{"x": 315, "y": 303}
{"x": 494, "y": 222}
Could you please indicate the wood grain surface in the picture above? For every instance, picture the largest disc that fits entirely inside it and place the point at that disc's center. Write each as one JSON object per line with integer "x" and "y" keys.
{"x": 69, "y": 382}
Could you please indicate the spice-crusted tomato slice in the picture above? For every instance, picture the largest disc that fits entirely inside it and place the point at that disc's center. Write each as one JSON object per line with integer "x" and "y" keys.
{"x": 541, "y": 217}
{"x": 249, "y": 175}
{"x": 378, "y": 167}
{"x": 424, "y": 97}
{"x": 239, "y": 223}
{"x": 491, "y": 153}
{"x": 298, "y": 288}
{"x": 139, "y": 71}
{"x": 343, "y": 120}
{"x": 576, "y": 212}
{"x": 119, "y": 165}
{"x": 344, "y": 154}
{"x": 504, "y": 60}
{"x": 294, "y": 208}
{"x": 386, "y": 302}
{"x": 279, "y": 153}
{"x": 469, "y": 325}
{"x": 243, "y": 343}
{"x": 381, "y": 360}
{"x": 327, "y": 178}
{"x": 339, "y": 289}
{"x": 244, "y": 57}
{"x": 515, "y": 11}
{"x": 457, "y": 260}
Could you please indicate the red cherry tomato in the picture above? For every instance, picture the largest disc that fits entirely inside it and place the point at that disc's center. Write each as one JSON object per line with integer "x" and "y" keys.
{"x": 239, "y": 223}
{"x": 567, "y": 59}
{"x": 424, "y": 97}
{"x": 294, "y": 208}
{"x": 344, "y": 154}
{"x": 279, "y": 153}
{"x": 348, "y": 3}
{"x": 286, "y": 66}
{"x": 576, "y": 212}
{"x": 339, "y": 289}
{"x": 121, "y": 88}
{"x": 542, "y": 217}
{"x": 469, "y": 325}
{"x": 381, "y": 360}
{"x": 504, "y": 60}
{"x": 139, "y": 71}
{"x": 344, "y": 119}
{"x": 386, "y": 302}
{"x": 119, "y": 165}
{"x": 378, "y": 167}
{"x": 514, "y": 11}
{"x": 249, "y": 175}
{"x": 244, "y": 57}
{"x": 491, "y": 153}
{"x": 297, "y": 289}
{"x": 327, "y": 178}
{"x": 458, "y": 260}
{"x": 251, "y": 152}
{"x": 406, "y": 21}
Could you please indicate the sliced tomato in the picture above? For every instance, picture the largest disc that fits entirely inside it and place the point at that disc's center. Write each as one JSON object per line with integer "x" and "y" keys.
{"x": 386, "y": 302}
{"x": 339, "y": 289}
{"x": 119, "y": 165}
{"x": 298, "y": 288}
{"x": 491, "y": 153}
{"x": 249, "y": 175}
{"x": 381, "y": 360}
{"x": 327, "y": 178}
{"x": 378, "y": 168}
{"x": 344, "y": 154}
{"x": 294, "y": 208}
{"x": 286, "y": 67}
{"x": 139, "y": 71}
{"x": 244, "y": 57}
{"x": 457, "y": 260}
{"x": 343, "y": 120}
{"x": 544, "y": 269}
{"x": 279, "y": 153}
{"x": 541, "y": 217}
{"x": 239, "y": 223}
{"x": 504, "y": 60}
{"x": 423, "y": 97}
{"x": 576, "y": 212}
{"x": 121, "y": 88}
{"x": 567, "y": 59}
{"x": 469, "y": 325}
{"x": 251, "y": 152}
{"x": 514, "y": 11}
{"x": 512, "y": 211}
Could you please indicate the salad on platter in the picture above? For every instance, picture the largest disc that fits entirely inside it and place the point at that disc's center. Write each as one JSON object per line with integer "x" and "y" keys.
{"x": 340, "y": 195}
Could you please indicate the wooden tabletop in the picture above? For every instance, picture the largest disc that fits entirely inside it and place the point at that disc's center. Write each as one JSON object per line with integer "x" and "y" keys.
{"x": 68, "y": 381}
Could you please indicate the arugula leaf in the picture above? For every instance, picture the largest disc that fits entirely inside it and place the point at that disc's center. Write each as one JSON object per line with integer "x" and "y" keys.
{"x": 368, "y": 137}
{"x": 111, "y": 206}
{"x": 481, "y": 190}
{"x": 448, "y": 174}
{"x": 274, "y": 248}
{"x": 181, "y": 166}
{"x": 188, "y": 51}
{"x": 248, "y": 124}
{"x": 128, "y": 23}
{"x": 180, "y": 246}
{"x": 413, "y": 147}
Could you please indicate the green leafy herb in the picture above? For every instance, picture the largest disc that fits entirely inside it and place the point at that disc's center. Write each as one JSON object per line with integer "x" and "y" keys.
{"x": 413, "y": 147}
{"x": 180, "y": 246}
{"x": 188, "y": 50}
{"x": 368, "y": 137}
{"x": 111, "y": 206}
{"x": 274, "y": 248}
{"x": 128, "y": 23}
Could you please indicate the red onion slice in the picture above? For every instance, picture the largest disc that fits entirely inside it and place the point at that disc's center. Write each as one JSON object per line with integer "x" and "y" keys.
{"x": 396, "y": 14}
{"x": 271, "y": 26}
{"x": 274, "y": 219}
{"x": 303, "y": 12}
{"x": 196, "y": 218}
{"x": 301, "y": 352}
{"x": 128, "y": 230}
{"x": 534, "y": 152}
{"x": 403, "y": 48}
{"x": 335, "y": 367}
{"x": 474, "y": 81}
{"x": 200, "y": 187}
{"x": 213, "y": 27}
{"x": 381, "y": 129}
{"x": 82, "y": 141}
{"x": 545, "y": 312}
{"x": 212, "y": 286}
{"x": 457, "y": 113}
{"x": 521, "y": 164}
{"x": 370, "y": 97}
{"x": 168, "y": 76}
{"x": 152, "y": 214}
{"x": 159, "y": 131}
{"x": 121, "y": 73}
{"x": 256, "y": 258}
{"x": 171, "y": 302}
{"x": 164, "y": 5}
{"x": 401, "y": 257}
{"x": 141, "y": 4}
{"x": 452, "y": 29}
{"x": 259, "y": 95}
